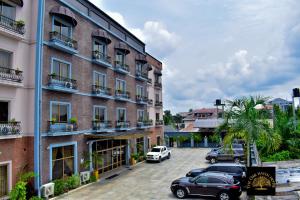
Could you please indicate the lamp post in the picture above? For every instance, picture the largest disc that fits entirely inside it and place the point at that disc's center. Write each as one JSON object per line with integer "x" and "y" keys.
{"x": 296, "y": 93}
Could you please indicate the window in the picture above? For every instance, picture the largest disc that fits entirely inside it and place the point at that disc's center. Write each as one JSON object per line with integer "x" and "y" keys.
{"x": 3, "y": 111}
{"x": 99, "y": 113}
{"x": 3, "y": 180}
{"x": 61, "y": 69}
{"x": 100, "y": 47}
{"x": 99, "y": 79}
{"x": 62, "y": 28}
{"x": 120, "y": 58}
{"x": 157, "y": 97}
{"x": 215, "y": 180}
{"x": 157, "y": 117}
{"x": 139, "y": 90}
{"x": 121, "y": 114}
{"x": 158, "y": 140}
{"x": 121, "y": 85}
{"x": 140, "y": 116}
{"x": 140, "y": 145}
{"x": 139, "y": 67}
{"x": 62, "y": 162}
{"x": 157, "y": 79}
{"x": 202, "y": 179}
{"x": 7, "y": 11}
{"x": 60, "y": 112}
{"x": 5, "y": 59}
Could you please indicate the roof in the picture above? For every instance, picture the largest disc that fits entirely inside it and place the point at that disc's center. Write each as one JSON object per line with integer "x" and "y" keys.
{"x": 169, "y": 128}
{"x": 207, "y": 110}
{"x": 190, "y": 128}
{"x": 279, "y": 100}
{"x": 192, "y": 116}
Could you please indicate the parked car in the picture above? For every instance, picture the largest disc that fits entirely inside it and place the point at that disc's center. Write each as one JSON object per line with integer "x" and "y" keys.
{"x": 282, "y": 176}
{"x": 219, "y": 185}
{"x": 235, "y": 146}
{"x": 159, "y": 153}
{"x": 225, "y": 155}
{"x": 238, "y": 171}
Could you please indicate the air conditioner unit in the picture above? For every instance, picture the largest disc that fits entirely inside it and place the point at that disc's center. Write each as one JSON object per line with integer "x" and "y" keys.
{"x": 85, "y": 176}
{"x": 47, "y": 190}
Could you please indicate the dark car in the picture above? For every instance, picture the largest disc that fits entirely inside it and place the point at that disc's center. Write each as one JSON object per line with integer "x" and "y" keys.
{"x": 238, "y": 171}
{"x": 222, "y": 154}
{"x": 235, "y": 146}
{"x": 209, "y": 184}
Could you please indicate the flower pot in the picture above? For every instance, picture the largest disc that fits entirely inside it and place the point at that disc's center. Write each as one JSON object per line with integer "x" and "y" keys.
{"x": 96, "y": 174}
{"x": 132, "y": 161}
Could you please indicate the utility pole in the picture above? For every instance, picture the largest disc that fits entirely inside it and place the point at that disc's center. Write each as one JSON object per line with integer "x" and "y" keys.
{"x": 296, "y": 93}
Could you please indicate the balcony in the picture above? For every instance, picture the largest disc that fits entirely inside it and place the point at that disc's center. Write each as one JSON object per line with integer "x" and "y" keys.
{"x": 12, "y": 28}
{"x": 159, "y": 123}
{"x": 158, "y": 104}
{"x": 142, "y": 76}
{"x": 141, "y": 100}
{"x": 157, "y": 85}
{"x": 61, "y": 128}
{"x": 144, "y": 124}
{"x": 150, "y": 102}
{"x": 102, "y": 92}
{"x": 63, "y": 43}
{"x": 149, "y": 81}
{"x": 102, "y": 126}
{"x": 122, "y": 95}
{"x": 10, "y": 129}
{"x": 101, "y": 59}
{"x": 11, "y": 77}
{"x": 122, "y": 125}
{"x": 62, "y": 84}
{"x": 121, "y": 67}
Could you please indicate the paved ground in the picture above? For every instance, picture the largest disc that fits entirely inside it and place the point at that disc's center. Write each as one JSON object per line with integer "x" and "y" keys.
{"x": 147, "y": 181}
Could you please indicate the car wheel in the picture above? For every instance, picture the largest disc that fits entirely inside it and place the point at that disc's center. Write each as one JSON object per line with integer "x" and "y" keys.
{"x": 236, "y": 160}
{"x": 213, "y": 160}
{"x": 169, "y": 156}
{"x": 159, "y": 160}
{"x": 224, "y": 196}
{"x": 180, "y": 193}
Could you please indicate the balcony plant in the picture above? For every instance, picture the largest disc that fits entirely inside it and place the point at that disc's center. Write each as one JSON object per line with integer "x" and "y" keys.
{"x": 134, "y": 157}
{"x": 20, "y": 23}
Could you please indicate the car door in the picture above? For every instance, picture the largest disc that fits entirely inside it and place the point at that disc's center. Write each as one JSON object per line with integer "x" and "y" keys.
{"x": 214, "y": 186}
{"x": 199, "y": 187}
{"x": 164, "y": 152}
{"x": 221, "y": 154}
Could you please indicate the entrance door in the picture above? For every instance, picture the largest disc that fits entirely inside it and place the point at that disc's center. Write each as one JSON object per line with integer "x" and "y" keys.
{"x": 171, "y": 142}
{"x": 3, "y": 111}
{"x": 3, "y": 181}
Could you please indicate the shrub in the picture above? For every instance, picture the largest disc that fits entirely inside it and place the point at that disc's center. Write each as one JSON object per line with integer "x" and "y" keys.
{"x": 93, "y": 178}
{"x": 280, "y": 156}
{"x": 35, "y": 198}
{"x": 60, "y": 187}
{"x": 19, "y": 191}
{"x": 73, "y": 182}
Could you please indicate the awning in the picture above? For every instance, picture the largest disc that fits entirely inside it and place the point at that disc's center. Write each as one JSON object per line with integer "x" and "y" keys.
{"x": 141, "y": 58}
{"x": 102, "y": 35}
{"x": 64, "y": 13}
{"x": 18, "y": 2}
{"x": 118, "y": 135}
{"x": 123, "y": 47}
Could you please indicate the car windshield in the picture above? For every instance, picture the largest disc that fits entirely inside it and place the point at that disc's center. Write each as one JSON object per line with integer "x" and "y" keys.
{"x": 155, "y": 150}
{"x": 191, "y": 180}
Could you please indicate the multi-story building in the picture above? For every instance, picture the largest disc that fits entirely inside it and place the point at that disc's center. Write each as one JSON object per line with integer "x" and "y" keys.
{"x": 17, "y": 69}
{"x": 155, "y": 105}
{"x": 94, "y": 97}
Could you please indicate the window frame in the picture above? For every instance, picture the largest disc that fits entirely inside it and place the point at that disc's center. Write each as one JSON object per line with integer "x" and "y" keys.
{"x": 62, "y": 22}
{"x": 101, "y": 42}
{"x": 120, "y": 80}
{"x": 11, "y": 54}
{"x": 61, "y": 61}
{"x": 69, "y": 109}
{"x": 124, "y": 57}
{"x": 142, "y": 90}
{"x": 12, "y": 5}
{"x": 99, "y": 107}
{"x": 125, "y": 115}
{"x": 95, "y": 73}
{"x": 138, "y": 112}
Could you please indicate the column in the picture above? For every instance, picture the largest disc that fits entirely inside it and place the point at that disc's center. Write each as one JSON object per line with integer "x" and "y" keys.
{"x": 145, "y": 144}
{"x": 205, "y": 142}
{"x": 192, "y": 141}
{"x": 128, "y": 153}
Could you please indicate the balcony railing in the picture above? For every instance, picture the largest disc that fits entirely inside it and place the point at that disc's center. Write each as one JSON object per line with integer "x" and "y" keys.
{"x": 122, "y": 124}
{"x": 65, "y": 40}
{"x": 157, "y": 84}
{"x": 158, "y": 103}
{"x": 100, "y": 90}
{"x": 150, "y": 101}
{"x": 62, "y": 127}
{"x": 159, "y": 122}
{"x": 122, "y": 67}
{"x": 11, "y": 74}
{"x": 141, "y": 99}
{"x": 10, "y": 128}
{"x": 102, "y": 57}
{"x": 122, "y": 94}
{"x": 150, "y": 80}
{"x": 12, "y": 25}
{"x": 64, "y": 82}
{"x": 144, "y": 123}
{"x": 101, "y": 125}
{"x": 141, "y": 75}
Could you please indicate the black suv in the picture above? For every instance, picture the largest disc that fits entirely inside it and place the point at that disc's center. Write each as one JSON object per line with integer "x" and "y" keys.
{"x": 238, "y": 171}
{"x": 225, "y": 154}
{"x": 209, "y": 184}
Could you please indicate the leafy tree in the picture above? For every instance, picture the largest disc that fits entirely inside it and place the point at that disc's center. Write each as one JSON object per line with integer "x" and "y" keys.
{"x": 168, "y": 118}
{"x": 190, "y": 110}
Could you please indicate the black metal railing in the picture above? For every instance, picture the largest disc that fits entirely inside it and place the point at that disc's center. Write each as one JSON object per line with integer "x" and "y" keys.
{"x": 140, "y": 98}
{"x": 150, "y": 101}
{"x": 157, "y": 84}
{"x": 158, "y": 103}
{"x": 142, "y": 74}
{"x": 159, "y": 122}
{"x": 150, "y": 80}
{"x": 100, "y": 56}
{"x": 10, "y": 24}
{"x": 98, "y": 125}
{"x": 11, "y": 74}
{"x": 122, "y": 94}
{"x": 63, "y": 39}
{"x": 55, "y": 126}
{"x": 10, "y": 128}
{"x": 123, "y": 66}
{"x": 122, "y": 124}
{"x": 142, "y": 123}
{"x": 96, "y": 89}
{"x": 62, "y": 81}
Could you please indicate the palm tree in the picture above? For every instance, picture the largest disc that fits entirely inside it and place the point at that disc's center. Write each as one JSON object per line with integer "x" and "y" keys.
{"x": 247, "y": 119}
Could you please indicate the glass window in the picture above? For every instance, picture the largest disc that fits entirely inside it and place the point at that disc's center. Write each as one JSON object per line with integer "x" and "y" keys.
{"x": 121, "y": 114}
{"x": 62, "y": 28}
{"x": 202, "y": 179}
{"x": 60, "y": 113}
{"x": 5, "y": 59}
{"x": 215, "y": 180}
{"x": 99, "y": 79}
{"x": 157, "y": 97}
{"x": 139, "y": 67}
{"x": 100, "y": 47}
{"x": 61, "y": 69}
{"x": 139, "y": 90}
{"x": 3, "y": 181}
{"x": 120, "y": 58}
{"x": 100, "y": 114}
{"x": 157, "y": 117}
{"x": 140, "y": 115}
{"x": 121, "y": 85}
{"x": 62, "y": 162}
{"x": 7, "y": 11}
{"x": 3, "y": 111}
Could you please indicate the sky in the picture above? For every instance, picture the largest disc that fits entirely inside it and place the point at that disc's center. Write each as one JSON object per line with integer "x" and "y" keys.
{"x": 216, "y": 49}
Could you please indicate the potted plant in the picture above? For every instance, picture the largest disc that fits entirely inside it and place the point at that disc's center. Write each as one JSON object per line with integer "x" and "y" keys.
{"x": 73, "y": 122}
{"x": 92, "y": 158}
{"x": 134, "y": 158}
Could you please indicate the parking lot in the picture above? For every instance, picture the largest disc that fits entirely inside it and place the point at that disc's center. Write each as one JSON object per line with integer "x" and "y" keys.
{"x": 147, "y": 180}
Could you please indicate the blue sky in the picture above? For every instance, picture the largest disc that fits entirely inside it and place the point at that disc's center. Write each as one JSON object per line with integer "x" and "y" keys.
{"x": 216, "y": 49}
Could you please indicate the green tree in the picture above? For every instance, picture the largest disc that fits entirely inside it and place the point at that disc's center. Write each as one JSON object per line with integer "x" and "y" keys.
{"x": 168, "y": 118}
{"x": 245, "y": 119}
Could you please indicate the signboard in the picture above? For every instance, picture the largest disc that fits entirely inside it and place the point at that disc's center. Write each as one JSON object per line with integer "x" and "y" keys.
{"x": 261, "y": 181}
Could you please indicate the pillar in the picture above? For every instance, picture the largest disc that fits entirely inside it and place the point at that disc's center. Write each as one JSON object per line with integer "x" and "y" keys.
{"x": 192, "y": 142}
{"x": 128, "y": 153}
{"x": 145, "y": 144}
{"x": 205, "y": 142}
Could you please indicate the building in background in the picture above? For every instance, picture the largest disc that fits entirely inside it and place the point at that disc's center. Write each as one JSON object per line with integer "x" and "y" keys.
{"x": 17, "y": 70}
{"x": 281, "y": 103}
{"x": 155, "y": 105}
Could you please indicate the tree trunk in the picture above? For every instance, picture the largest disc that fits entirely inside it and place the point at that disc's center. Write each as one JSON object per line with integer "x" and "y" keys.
{"x": 248, "y": 153}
